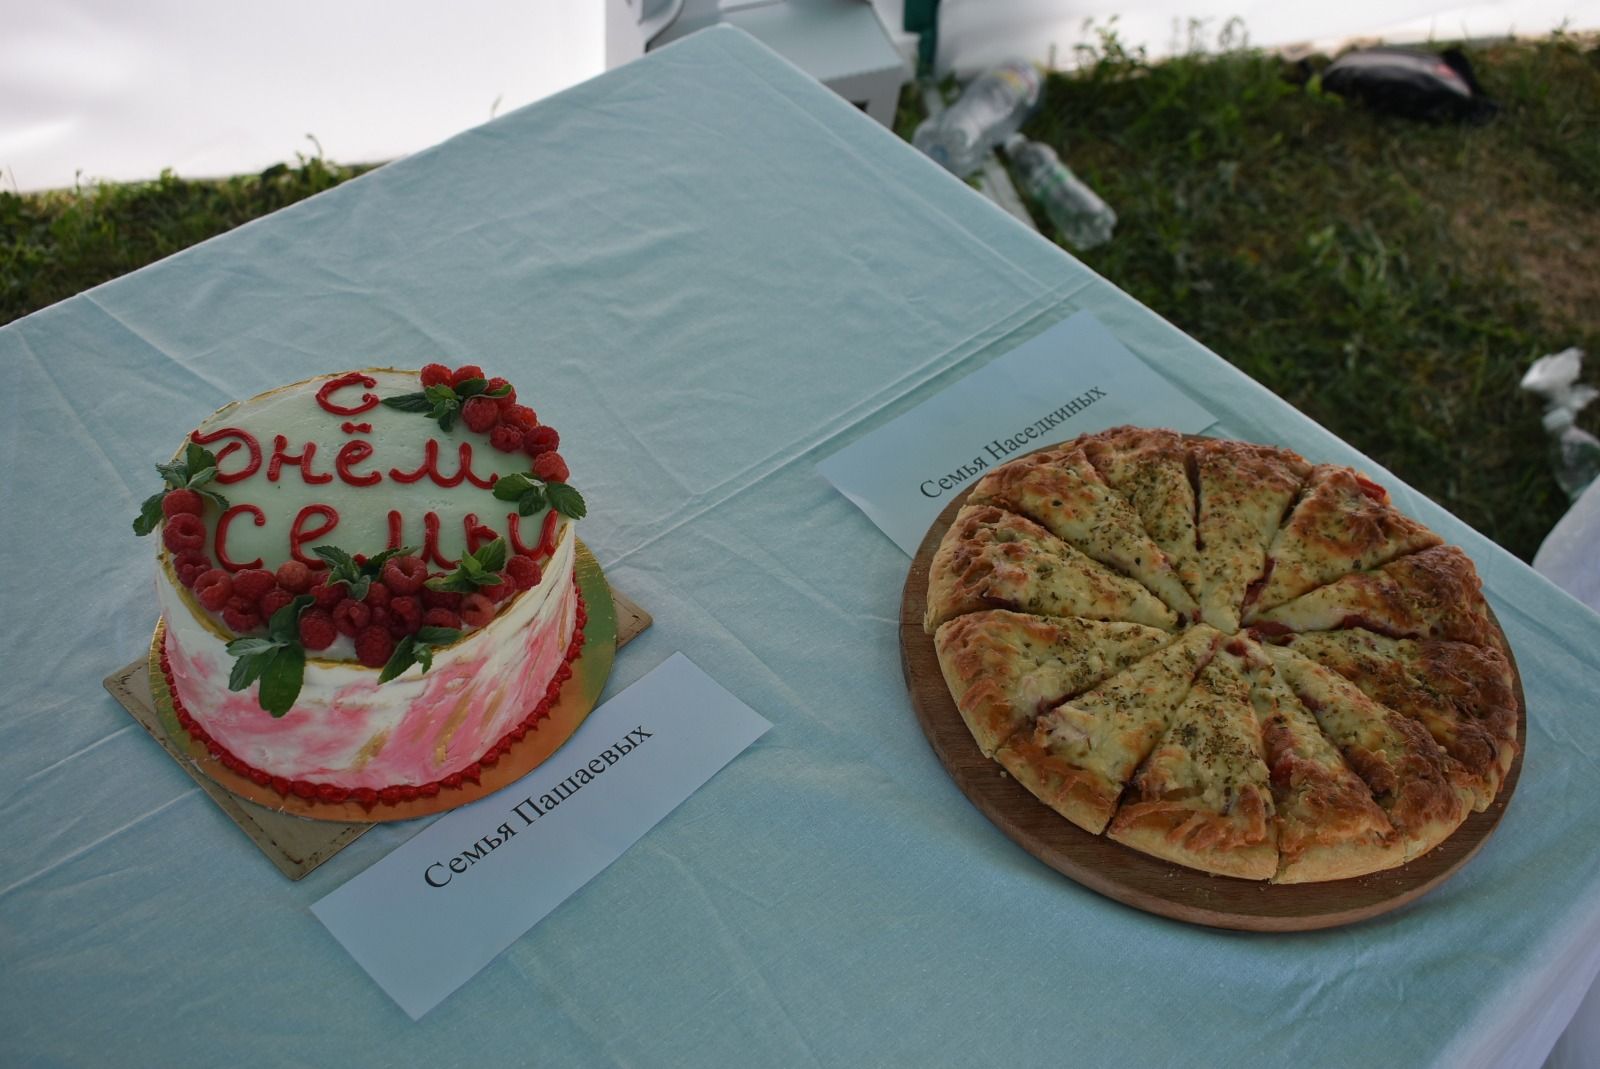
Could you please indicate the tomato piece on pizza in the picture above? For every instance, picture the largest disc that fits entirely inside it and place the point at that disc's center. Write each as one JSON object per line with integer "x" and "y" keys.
{"x": 1477, "y": 732}
{"x": 1079, "y": 755}
{"x": 1004, "y": 668}
{"x": 1202, "y": 798}
{"x": 1329, "y": 826}
{"x": 1342, "y": 523}
{"x": 1061, "y": 490}
{"x": 994, "y": 559}
{"x": 1151, "y": 469}
{"x": 1245, "y": 492}
{"x": 1396, "y": 758}
{"x": 1431, "y": 594}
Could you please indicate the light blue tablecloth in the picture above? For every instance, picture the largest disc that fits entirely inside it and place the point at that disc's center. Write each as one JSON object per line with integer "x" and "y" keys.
{"x": 710, "y": 273}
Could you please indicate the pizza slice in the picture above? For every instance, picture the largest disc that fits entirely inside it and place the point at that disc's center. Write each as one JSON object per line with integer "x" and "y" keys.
{"x": 1079, "y": 755}
{"x": 1244, "y": 493}
{"x": 1342, "y": 523}
{"x": 1060, "y": 490}
{"x": 1476, "y": 727}
{"x": 1004, "y": 668}
{"x": 1151, "y": 469}
{"x": 1399, "y": 762}
{"x": 1202, "y": 798}
{"x": 993, "y": 559}
{"x": 1329, "y": 826}
{"x": 1431, "y": 594}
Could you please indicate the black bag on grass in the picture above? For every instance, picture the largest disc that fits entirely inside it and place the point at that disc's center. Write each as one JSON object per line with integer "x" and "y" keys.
{"x": 1412, "y": 83}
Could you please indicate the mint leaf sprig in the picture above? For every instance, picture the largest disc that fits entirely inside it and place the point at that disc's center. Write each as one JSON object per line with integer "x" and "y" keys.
{"x": 418, "y": 649}
{"x": 475, "y": 569}
{"x": 198, "y": 467}
{"x": 342, "y": 567}
{"x": 278, "y": 661}
{"x": 443, "y": 402}
{"x": 532, "y": 494}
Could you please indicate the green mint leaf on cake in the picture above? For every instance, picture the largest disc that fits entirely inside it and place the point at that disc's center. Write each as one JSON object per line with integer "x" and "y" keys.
{"x": 512, "y": 487}
{"x": 565, "y": 499}
{"x": 474, "y": 570}
{"x": 175, "y": 474}
{"x": 498, "y": 391}
{"x": 284, "y": 627}
{"x": 403, "y": 657}
{"x": 149, "y": 515}
{"x": 417, "y": 649}
{"x": 278, "y": 661}
{"x": 471, "y": 388}
{"x": 409, "y": 402}
{"x": 531, "y": 502}
{"x": 439, "y": 636}
{"x": 281, "y": 680}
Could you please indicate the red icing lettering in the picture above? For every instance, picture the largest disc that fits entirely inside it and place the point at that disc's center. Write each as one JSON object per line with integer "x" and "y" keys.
{"x": 280, "y": 457}
{"x": 514, "y": 536}
{"x": 352, "y": 428}
{"x": 224, "y": 522}
{"x": 547, "y": 534}
{"x": 430, "y": 541}
{"x": 394, "y": 531}
{"x": 299, "y": 536}
{"x": 430, "y": 468}
{"x": 241, "y": 438}
{"x": 355, "y": 378}
{"x": 477, "y": 533}
{"x": 351, "y": 454}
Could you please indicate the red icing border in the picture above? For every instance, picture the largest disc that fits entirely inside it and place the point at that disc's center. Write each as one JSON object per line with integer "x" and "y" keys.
{"x": 369, "y": 797}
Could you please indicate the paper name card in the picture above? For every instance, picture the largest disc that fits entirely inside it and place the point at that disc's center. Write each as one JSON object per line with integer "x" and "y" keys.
{"x": 1073, "y": 379}
{"x": 427, "y": 917}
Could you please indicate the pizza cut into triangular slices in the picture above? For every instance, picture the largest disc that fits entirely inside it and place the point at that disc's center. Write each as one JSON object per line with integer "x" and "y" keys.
{"x": 1202, "y": 797}
{"x": 1151, "y": 469}
{"x": 1431, "y": 594}
{"x": 1244, "y": 493}
{"x": 1342, "y": 523}
{"x": 1476, "y": 726}
{"x": 994, "y": 559}
{"x": 1329, "y": 826}
{"x": 1079, "y": 755}
{"x": 1396, "y": 758}
{"x": 1061, "y": 490}
{"x": 1004, "y": 668}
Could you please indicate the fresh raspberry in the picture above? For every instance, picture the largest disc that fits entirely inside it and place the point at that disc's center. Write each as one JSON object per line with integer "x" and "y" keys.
{"x": 380, "y": 618}
{"x": 328, "y": 594}
{"x": 378, "y": 594}
{"x": 190, "y": 565}
{"x": 441, "y": 618}
{"x": 435, "y": 375}
{"x": 294, "y": 577}
{"x": 273, "y": 600}
{"x": 476, "y": 610}
{"x": 316, "y": 629}
{"x": 506, "y": 438}
{"x": 253, "y": 583}
{"x": 524, "y": 572}
{"x": 406, "y": 614}
{"x": 540, "y": 440}
{"x": 374, "y": 646}
{"x": 441, "y": 599}
{"x": 404, "y": 575}
{"x": 502, "y": 590}
{"x": 213, "y": 587}
{"x": 551, "y": 468}
{"x": 520, "y": 416}
{"x": 181, "y": 502}
{"x": 184, "y": 531}
{"x": 465, "y": 372}
{"x": 240, "y": 615}
{"x": 350, "y": 616}
{"x": 480, "y": 414}
{"x": 510, "y": 396}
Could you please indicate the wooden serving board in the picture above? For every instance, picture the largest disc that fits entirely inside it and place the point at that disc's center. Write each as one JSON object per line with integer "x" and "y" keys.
{"x": 1140, "y": 880}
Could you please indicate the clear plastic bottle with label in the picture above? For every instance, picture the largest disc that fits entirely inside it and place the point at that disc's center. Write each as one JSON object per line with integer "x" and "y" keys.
{"x": 990, "y": 109}
{"x": 1083, "y": 219}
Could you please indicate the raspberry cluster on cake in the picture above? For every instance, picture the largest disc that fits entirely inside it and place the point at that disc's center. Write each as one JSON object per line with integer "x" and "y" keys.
{"x": 367, "y": 581}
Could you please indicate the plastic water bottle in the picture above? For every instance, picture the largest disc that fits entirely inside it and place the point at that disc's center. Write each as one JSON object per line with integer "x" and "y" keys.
{"x": 991, "y": 109}
{"x": 1083, "y": 219}
{"x": 1574, "y": 452}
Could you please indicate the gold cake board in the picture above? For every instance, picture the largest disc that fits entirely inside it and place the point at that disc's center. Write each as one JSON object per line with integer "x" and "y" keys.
{"x": 298, "y": 835}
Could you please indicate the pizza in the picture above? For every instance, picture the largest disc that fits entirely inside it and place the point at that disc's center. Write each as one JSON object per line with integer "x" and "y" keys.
{"x": 1222, "y": 655}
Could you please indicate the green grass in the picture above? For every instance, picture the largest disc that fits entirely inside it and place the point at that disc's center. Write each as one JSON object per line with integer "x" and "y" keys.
{"x": 1392, "y": 279}
{"x": 53, "y": 245}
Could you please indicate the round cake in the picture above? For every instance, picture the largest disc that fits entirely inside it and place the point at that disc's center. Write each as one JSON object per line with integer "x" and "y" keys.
{"x": 366, "y": 581}
{"x": 1223, "y": 655}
